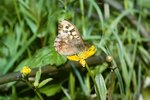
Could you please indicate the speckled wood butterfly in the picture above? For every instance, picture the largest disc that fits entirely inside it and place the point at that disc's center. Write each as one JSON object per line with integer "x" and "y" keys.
{"x": 69, "y": 41}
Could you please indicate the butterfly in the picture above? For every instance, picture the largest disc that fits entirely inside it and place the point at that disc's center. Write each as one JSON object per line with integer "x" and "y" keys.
{"x": 69, "y": 41}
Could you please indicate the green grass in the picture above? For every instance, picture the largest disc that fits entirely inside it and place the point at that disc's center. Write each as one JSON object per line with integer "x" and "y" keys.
{"x": 28, "y": 29}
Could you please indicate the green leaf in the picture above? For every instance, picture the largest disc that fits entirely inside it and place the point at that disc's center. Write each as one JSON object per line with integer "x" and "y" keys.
{"x": 47, "y": 55}
{"x": 37, "y": 77}
{"x": 66, "y": 93}
{"x": 72, "y": 85}
{"x": 43, "y": 57}
{"x": 44, "y": 82}
{"x": 14, "y": 93}
{"x": 101, "y": 86}
{"x": 50, "y": 90}
{"x": 32, "y": 25}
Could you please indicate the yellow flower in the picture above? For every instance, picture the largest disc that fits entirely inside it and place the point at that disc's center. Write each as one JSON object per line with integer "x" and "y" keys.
{"x": 25, "y": 71}
{"x": 83, "y": 55}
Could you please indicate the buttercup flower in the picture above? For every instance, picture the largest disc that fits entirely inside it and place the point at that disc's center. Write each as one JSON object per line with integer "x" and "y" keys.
{"x": 83, "y": 55}
{"x": 25, "y": 71}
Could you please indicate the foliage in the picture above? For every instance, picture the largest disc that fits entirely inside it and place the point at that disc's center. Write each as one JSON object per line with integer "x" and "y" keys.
{"x": 28, "y": 29}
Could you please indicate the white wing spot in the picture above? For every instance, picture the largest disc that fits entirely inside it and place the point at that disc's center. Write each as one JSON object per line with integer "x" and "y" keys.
{"x": 74, "y": 33}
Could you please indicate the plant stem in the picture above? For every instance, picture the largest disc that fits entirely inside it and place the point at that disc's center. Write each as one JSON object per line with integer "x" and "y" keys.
{"x": 32, "y": 87}
{"x": 90, "y": 73}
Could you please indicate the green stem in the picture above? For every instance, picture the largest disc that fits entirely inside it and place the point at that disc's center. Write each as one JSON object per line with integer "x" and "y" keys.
{"x": 32, "y": 87}
{"x": 92, "y": 76}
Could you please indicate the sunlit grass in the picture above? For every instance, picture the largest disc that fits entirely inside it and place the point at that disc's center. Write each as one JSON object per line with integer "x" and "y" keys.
{"x": 28, "y": 30}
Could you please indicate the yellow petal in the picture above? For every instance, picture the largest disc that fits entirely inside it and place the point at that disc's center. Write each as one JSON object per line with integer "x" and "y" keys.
{"x": 83, "y": 55}
{"x": 82, "y": 62}
{"x": 91, "y": 51}
{"x": 73, "y": 57}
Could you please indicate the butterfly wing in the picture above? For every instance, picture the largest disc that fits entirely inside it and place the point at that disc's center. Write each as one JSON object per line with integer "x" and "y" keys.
{"x": 69, "y": 40}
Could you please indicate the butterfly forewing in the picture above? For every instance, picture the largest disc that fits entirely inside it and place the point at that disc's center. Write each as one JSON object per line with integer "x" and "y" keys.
{"x": 69, "y": 40}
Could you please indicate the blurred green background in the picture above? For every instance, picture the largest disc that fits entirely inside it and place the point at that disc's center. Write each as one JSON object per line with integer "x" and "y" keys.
{"x": 117, "y": 28}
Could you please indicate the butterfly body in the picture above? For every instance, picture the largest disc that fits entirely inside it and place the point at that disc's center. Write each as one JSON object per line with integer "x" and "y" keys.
{"x": 69, "y": 40}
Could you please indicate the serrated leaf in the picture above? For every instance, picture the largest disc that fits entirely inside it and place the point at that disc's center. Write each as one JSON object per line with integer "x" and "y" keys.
{"x": 47, "y": 55}
{"x": 44, "y": 82}
{"x": 50, "y": 90}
